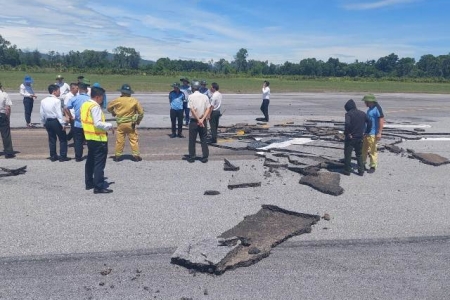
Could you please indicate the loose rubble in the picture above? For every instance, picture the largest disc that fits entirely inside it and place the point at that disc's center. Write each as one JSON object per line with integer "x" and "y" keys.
{"x": 12, "y": 172}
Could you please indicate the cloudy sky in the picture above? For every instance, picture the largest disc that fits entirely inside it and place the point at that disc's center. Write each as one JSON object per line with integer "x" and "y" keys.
{"x": 273, "y": 30}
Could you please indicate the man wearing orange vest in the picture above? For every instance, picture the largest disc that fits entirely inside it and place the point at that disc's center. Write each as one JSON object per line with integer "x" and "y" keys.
{"x": 95, "y": 132}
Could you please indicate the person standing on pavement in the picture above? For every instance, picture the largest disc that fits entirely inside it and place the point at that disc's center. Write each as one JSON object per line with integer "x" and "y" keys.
{"x": 5, "y": 127}
{"x": 74, "y": 105}
{"x": 357, "y": 124}
{"x": 376, "y": 116}
{"x": 52, "y": 119}
{"x": 204, "y": 90}
{"x": 176, "y": 100}
{"x": 129, "y": 113}
{"x": 186, "y": 89}
{"x": 27, "y": 92}
{"x": 69, "y": 118}
{"x": 64, "y": 88}
{"x": 95, "y": 130}
{"x": 200, "y": 110}
{"x": 266, "y": 100}
{"x": 216, "y": 103}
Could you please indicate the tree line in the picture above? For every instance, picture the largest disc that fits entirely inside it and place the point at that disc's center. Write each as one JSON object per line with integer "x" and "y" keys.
{"x": 125, "y": 60}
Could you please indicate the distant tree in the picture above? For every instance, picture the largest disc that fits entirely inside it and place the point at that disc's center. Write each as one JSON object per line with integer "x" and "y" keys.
{"x": 387, "y": 64}
{"x": 429, "y": 65}
{"x": 126, "y": 58}
{"x": 405, "y": 66}
{"x": 240, "y": 60}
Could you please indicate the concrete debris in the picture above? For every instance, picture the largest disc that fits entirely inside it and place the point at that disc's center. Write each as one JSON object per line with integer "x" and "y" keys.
{"x": 325, "y": 182}
{"x": 12, "y": 172}
{"x": 394, "y": 149}
{"x": 211, "y": 193}
{"x": 269, "y": 227}
{"x": 431, "y": 159}
{"x": 228, "y": 166}
{"x": 326, "y": 217}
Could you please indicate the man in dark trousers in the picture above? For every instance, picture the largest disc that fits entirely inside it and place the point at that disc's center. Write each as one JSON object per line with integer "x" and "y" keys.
{"x": 52, "y": 119}
{"x": 357, "y": 124}
{"x": 200, "y": 110}
{"x": 5, "y": 129}
{"x": 176, "y": 99}
{"x": 95, "y": 131}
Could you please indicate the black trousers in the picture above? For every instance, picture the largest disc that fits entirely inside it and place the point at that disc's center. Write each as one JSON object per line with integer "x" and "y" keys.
{"x": 214, "y": 122}
{"x": 195, "y": 129}
{"x": 94, "y": 170}
{"x": 187, "y": 111}
{"x": 349, "y": 145}
{"x": 28, "y": 106}
{"x": 176, "y": 116}
{"x": 70, "y": 134}
{"x": 5, "y": 131}
{"x": 78, "y": 140}
{"x": 265, "y": 108}
{"x": 55, "y": 129}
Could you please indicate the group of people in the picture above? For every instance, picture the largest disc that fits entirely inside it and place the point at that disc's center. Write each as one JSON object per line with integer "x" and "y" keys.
{"x": 362, "y": 132}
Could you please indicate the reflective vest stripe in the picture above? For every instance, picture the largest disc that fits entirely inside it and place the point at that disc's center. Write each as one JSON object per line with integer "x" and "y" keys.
{"x": 90, "y": 131}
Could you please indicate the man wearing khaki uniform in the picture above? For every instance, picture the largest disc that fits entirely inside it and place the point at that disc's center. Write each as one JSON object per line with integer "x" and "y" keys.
{"x": 129, "y": 113}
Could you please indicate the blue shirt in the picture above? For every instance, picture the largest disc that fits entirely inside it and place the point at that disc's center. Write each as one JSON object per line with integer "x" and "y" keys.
{"x": 176, "y": 100}
{"x": 375, "y": 113}
{"x": 75, "y": 103}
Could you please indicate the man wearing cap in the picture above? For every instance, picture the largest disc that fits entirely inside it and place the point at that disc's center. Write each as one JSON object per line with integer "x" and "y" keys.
{"x": 75, "y": 105}
{"x": 63, "y": 87}
{"x": 129, "y": 113}
{"x": 176, "y": 100}
{"x": 376, "y": 116}
{"x": 200, "y": 109}
{"x": 204, "y": 90}
{"x": 95, "y": 127}
{"x": 186, "y": 89}
{"x": 87, "y": 82}
{"x": 28, "y": 98}
{"x": 52, "y": 119}
{"x": 5, "y": 129}
{"x": 216, "y": 103}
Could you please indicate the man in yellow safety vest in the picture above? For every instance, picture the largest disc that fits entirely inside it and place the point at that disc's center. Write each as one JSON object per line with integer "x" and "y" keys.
{"x": 95, "y": 132}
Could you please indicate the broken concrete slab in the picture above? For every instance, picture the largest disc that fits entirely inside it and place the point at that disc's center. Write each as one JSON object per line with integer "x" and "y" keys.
{"x": 12, "y": 172}
{"x": 204, "y": 255}
{"x": 244, "y": 179}
{"x": 431, "y": 158}
{"x": 325, "y": 182}
{"x": 394, "y": 149}
{"x": 228, "y": 166}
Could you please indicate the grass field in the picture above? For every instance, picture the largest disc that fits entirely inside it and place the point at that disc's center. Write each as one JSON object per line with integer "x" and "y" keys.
{"x": 147, "y": 83}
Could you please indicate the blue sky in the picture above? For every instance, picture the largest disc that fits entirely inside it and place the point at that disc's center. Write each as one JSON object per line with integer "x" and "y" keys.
{"x": 205, "y": 30}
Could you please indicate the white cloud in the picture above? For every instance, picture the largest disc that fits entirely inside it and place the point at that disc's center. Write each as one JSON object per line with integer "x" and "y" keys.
{"x": 377, "y": 4}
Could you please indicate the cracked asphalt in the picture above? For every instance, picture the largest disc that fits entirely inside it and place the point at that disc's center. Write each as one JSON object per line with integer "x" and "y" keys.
{"x": 388, "y": 236}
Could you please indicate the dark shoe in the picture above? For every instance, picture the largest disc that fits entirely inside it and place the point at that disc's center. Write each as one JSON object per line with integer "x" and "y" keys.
{"x": 10, "y": 155}
{"x": 204, "y": 160}
{"x": 89, "y": 187}
{"x": 181, "y": 136}
{"x": 173, "y": 135}
{"x": 117, "y": 158}
{"x": 213, "y": 141}
{"x": 78, "y": 159}
{"x": 347, "y": 173}
{"x": 53, "y": 158}
{"x": 371, "y": 170}
{"x": 136, "y": 158}
{"x": 102, "y": 191}
{"x": 191, "y": 159}
{"x": 361, "y": 173}
{"x": 64, "y": 158}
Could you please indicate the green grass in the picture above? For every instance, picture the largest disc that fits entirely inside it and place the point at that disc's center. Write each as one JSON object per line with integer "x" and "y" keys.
{"x": 147, "y": 83}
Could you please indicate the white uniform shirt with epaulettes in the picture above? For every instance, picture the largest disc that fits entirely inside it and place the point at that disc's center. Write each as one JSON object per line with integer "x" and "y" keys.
{"x": 4, "y": 102}
{"x": 216, "y": 101}
{"x": 199, "y": 102}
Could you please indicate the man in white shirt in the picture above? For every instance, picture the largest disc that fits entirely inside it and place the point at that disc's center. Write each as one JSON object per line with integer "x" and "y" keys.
{"x": 69, "y": 118}
{"x": 52, "y": 119}
{"x": 5, "y": 129}
{"x": 28, "y": 98}
{"x": 199, "y": 107}
{"x": 216, "y": 103}
{"x": 266, "y": 100}
{"x": 64, "y": 88}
